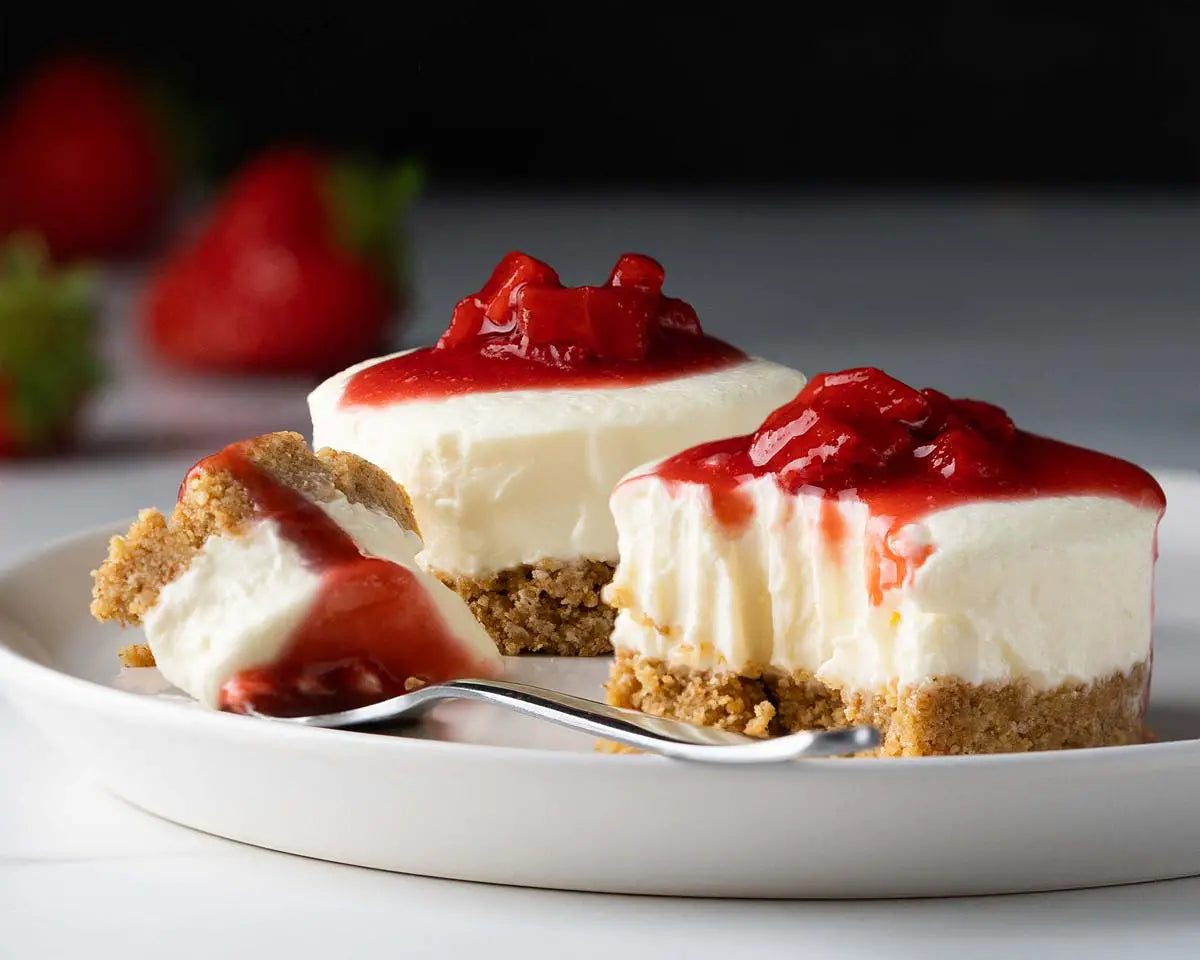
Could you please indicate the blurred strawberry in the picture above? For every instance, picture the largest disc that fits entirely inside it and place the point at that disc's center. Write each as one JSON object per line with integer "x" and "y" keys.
{"x": 81, "y": 163}
{"x": 47, "y": 357}
{"x": 10, "y": 439}
{"x": 295, "y": 272}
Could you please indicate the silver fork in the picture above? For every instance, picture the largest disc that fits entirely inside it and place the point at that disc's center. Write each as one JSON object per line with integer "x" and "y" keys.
{"x": 671, "y": 738}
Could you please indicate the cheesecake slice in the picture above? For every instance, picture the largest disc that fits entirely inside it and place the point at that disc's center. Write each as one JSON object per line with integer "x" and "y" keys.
{"x": 284, "y": 582}
{"x": 511, "y": 432}
{"x": 878, "y": 554}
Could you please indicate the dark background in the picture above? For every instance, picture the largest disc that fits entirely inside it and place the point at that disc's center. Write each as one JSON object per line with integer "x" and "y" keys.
{"x": 558, "y": 92}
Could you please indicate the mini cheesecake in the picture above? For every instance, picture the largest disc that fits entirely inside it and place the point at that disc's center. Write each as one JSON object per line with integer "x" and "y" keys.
{"x": 511, "y": 432}
{"x": 285, "y": 583}
{"x": 878, "y": 554}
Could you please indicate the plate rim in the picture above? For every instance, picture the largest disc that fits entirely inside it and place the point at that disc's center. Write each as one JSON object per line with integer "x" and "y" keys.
{"x": 25, "y": 673}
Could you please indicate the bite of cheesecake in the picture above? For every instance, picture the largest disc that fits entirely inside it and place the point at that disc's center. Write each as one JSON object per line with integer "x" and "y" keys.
{"x": 878, "y": 554}
{"x": 284, "y": 582}
{"x": 511, "y": 431}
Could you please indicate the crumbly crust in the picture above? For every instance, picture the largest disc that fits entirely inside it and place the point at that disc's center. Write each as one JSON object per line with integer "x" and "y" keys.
{"x": 943, "y": 715}
{"x": 156, "y": 550}
{"x": 728, "y": 701}
{"x": 550, "y": 607}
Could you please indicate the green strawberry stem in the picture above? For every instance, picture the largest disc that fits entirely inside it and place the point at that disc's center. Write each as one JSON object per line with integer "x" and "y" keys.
{"x": 369, "y": 204}
{"x": 47, "y": 357}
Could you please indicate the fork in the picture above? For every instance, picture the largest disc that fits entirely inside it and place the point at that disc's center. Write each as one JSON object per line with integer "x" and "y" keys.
{"x": 671, "y": 738}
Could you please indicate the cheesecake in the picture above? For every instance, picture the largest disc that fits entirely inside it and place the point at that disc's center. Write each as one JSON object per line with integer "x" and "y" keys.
{"x": 285, "y": 583}
{"x": 878, "y": 554}
{"x": 510, "y": 433}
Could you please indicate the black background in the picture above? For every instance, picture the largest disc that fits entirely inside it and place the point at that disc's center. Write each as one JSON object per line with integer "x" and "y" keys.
{"x": 555, "y": 92}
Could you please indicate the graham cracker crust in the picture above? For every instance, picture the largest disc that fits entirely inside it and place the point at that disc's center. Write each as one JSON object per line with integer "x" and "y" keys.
{"x": 938, "y": 717}
{"x": 157, "y": 550}
{"x": 551, "y": 607}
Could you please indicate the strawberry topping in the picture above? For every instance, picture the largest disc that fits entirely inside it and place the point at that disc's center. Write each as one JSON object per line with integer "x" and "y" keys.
{"x": 862, "y": 435}
{"x": 526, "y": 330}
{"x": 845, "y": 426}
{"x": 525, "y": 311}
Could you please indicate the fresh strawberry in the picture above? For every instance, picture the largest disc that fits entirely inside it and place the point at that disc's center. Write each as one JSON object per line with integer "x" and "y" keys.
{"x": 280, "y": 196}
{"x": 296, "y": 271}
{"x": 10, "y": 434}
{"x": 81, "y": 162}
{"x": 47, "y": 357}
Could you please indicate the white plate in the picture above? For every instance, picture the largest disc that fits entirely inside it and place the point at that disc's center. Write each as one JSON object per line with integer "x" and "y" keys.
{"x": 479, "y": 794}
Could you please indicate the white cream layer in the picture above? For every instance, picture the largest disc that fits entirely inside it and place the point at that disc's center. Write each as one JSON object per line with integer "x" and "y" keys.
{"x": 1049, "y": 589}
{"x": 241, "y": 598}
{"x": 503, "y": 479}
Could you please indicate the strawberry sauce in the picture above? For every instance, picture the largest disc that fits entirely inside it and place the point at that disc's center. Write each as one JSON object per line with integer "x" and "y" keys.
{"x": 372, "y": 627}
{"x": 905, "y": 453}
{"x": 526, "y": 331}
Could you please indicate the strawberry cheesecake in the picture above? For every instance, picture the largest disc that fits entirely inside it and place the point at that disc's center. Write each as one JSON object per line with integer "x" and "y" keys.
{"x": 877, "y": 554}
{"x": 510, "y": 433}
{"x": 284, "y": 583}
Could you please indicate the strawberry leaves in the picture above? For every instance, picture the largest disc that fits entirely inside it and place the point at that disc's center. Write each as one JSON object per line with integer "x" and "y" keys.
{"x": 368, "y": 202}
{"x": 48, "y": 362}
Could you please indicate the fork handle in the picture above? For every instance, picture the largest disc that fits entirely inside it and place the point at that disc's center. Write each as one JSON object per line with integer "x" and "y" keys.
{"x": 672, "y": 738}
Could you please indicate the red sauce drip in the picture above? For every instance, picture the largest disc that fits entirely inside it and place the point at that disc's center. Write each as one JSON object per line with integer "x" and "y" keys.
{"x": 833, "y": 525}
{"x": 733, "y": 509}
{"x": 526, "y": 331}
{"x": 905, "y": 453}
{"x": 373, "y": 625}
{"x": 888, "y": 566}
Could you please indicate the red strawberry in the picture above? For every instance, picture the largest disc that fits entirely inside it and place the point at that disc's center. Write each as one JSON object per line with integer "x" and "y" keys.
{"x": 81, "y": 162}
{"x": 47, "y": 359}
{"x": 10, "y": 433}
{"x": 281, "y": 195}
{"x": 295, "y": 271}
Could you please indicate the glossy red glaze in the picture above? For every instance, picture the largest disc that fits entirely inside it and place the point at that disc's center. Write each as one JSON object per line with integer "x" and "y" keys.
{"x": 905, "y": 453}
{"x": 372, "y": 627}
{"x": 526, "y": 331}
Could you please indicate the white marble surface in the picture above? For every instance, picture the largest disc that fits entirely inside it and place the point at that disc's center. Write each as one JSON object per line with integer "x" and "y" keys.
{"x": 1081, "y": 317}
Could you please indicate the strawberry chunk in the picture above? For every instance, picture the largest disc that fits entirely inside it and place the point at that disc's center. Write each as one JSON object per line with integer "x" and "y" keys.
{"x": 814, "y": 445}
{"x": 678, "y": 315}
{"x": 621, "y": 322}
{"x": 795, "y": 440}
{"x": 555, "y": 315}
{"x": 866, "y": 393}
{"x": 638, "y": 271}
{"x": 859, "y": 423}
{"x": 962, "y": 456}
{"x": 524, "y": 311}
{"x": 988, "y": 418}
{"x": 513, "y": 272}
{"x": 605, "y": 322}
{"x": 491, "y": 310}
{"x": 941, "y": 412}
